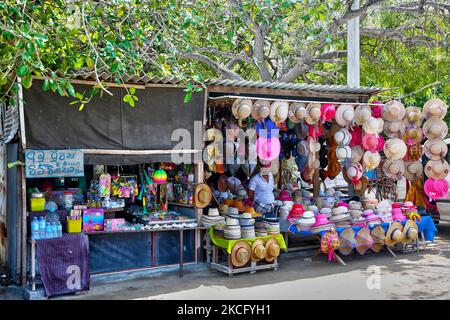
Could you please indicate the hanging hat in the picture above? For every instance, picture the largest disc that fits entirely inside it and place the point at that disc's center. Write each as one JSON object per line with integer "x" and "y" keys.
{"x": 334, "y": 168}
{"x": 394, "y": 234}
{"x": 435, "y": 149}
{"x": 261, "y": 109}
{"x": 345, "y": 114}
{"x": 268, "y": 148}
{"x": 395, "y": 149}
{"x": 410, "y": 231}
{"x": 328, "y": 111}
{"x": 241, "y": 108}
{"x": 377, "y": 108}
{"x": 240, "y": 254}
{"x": 394, "y": 129}
{"x": 361, "y": 185}
{"x": 356, "y": 133}
{"x": 343, "y": 137}
{"x": 313, "y": 113}
{"x": 437, "y": 169}
{"x": 315, "y": 131}
{"x": 413, "y": 170}
{"x": 393, "y": 111}
{"x": 343, "y": 152}
{"x": 436, "y": 189}
{"x": 297, "y": 112}
{"x": 258, "y": 250}
{"x": 413, "y": 136}
{"x": 329, "y": 243}
{"x": 380, "y": 125}
{"x": 379, "y": 237}
{"x": 394, "y": 169}
{"x": 435, "y": 129}
{"x": 202, "y": 195}
{"x": 354, "y": 172}
{"x": 371, "y": 160}
{"x": 413, "y": 116}
{"x": 362, "y": 114}
{"x": 357, "y": 154}
{"x": 313, "y": 146}
{"x": 272, "y": 249}
{"x": 279, "y": 111}
{"x": 364, "y": 240}
{"x": 371, "y": 125}
{"x": 267, "y": 128}
{"x": 434, "y": 108}
{"x": 370, "y": 142}
{"x": 301, "y": 130}
{"x": 347, "y": 241}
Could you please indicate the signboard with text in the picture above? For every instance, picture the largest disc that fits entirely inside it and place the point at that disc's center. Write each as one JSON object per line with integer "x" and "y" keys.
{"x": 54, "y": 163}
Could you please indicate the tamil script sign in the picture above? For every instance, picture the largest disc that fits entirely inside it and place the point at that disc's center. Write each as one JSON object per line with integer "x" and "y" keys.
{"x": 54, "y": 163}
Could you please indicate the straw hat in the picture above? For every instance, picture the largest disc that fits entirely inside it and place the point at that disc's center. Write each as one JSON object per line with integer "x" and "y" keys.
{"x": 202, "y": 195}
{"x": 413, "y": 116}
{"x": 361, "y": 185}
{"x": 313, "y": 113}
{"x": 370, "y": 142}
{"x": 410, "y": 231}
{"x": 354, "y": 172}
{"x": 394, "y": 129}
{"x": 364, "y": 240}
{"x": 413, "y": 170}
{"x": 435, "y": 149}
{"x": 394, "y": 234}
{"x": 393, "y": 110}
{"x": 371, "y": 160}
{"x": 434, "y": 108}
{"x": 297, "y": 112}
{"x": 371, "y": 125}
{"x": 334, "y": 168}
{"x": 240, "y": 254}
{"x": 437, "y": 169}
{"x": 347, "y": 241}
{"x": 343, "y": 152}
{"x": 241, "y": 108}
{"x": 435, "y": 129}
{"x": 380, "y": 125}
{"x": 379, "y": 237}
{"x": 395, "y": 149}
{"x": 394, "y": 169}
{"x": 345, "y": 113}
{"x": 279, "y": 111}
{"x": 261, "y": 109}
{"x": 362, "y": 114}
{"x": 330, "y": 241}
{"x": 258, "y": 250}
{"x": 413, "y": 136}
{"x": 272, "y": 249}
{"x": 357, "y": 154}
{"x": 328, "y": 112}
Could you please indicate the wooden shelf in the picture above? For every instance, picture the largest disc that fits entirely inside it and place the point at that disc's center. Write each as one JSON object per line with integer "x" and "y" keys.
{"x": 181, "y": 205}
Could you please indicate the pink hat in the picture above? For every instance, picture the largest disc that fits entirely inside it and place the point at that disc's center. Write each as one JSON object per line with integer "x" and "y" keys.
{"x": 380, "y": 143}
{"x": 315, "y": 131}
{"x": 436, "y": 189}
{"x": 343, "y": 204}
{"x": 284, "y": 196}
{"x": 268, "y": 148}
{"x": 397, "y": 214}
{"x": 328, "y": 111}
{"x": 321, "y": 219}
{"x": 356, "y": 133}
{"x": 370, "y": 142}
{"x": 377, "y": 109}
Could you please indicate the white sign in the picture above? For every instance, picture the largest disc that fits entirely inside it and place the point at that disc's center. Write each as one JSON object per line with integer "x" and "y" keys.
{"x": 54, "y": 163}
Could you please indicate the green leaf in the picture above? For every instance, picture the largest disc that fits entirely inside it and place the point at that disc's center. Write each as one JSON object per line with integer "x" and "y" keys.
{"x": 79, "y": 96}
{"x": 71, "y": 90}
{"x": 81, "y": 107}
{"x": 135, "y": 98}
{"x": 89, "y": 62}
{"x": 26, "y": 81}
{"x": 79, "y": 63}
{"x": 126, "y": 98}
{"x": 132, "y": 90}
{"x": 23, "y": 70}
{"x": 188, "y": 97}
{"x": 46, "y": 85}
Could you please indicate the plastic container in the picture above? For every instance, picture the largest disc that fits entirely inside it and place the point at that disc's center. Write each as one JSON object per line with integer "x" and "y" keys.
{"x": 68, "y": 200}
{"x": 37, "y": 204}
{"x": 73, "y": 226}
{"x": 35, "y": 229}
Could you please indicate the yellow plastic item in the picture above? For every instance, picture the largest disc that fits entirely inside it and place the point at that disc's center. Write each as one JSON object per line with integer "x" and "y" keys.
{"x": 73, "y": 226}
{"x": 37, "y": 204}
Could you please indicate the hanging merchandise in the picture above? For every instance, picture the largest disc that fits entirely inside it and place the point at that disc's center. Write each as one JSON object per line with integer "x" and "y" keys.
{"x": 436, "y": 189}
{"x": 329, "y": 243}
{"x": 159, "y": 176}
{"x": 297, "y": 112}
{"x": 345, "y": 114}
{"x": 279, "y": 111}
{"x": 434, "y": 108}
{"x": 313, "y": 113}
{"x": 393, "y": 111}
{"x": 104, "y": 185}
{"x": 328, "y": 112}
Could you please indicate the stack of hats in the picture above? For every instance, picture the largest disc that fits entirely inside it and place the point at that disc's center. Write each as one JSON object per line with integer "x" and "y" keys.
{"x": 218, "y": 230}
{"x": 357, "y": 218}
{"x": 340, "y": 217}
{"x": 306, "y": 221}
{"x": 395, "y": 150}
{"x": 212, "y": 218}
{"x": 322, "y": 224}
{"x": 223, "y": 209}
{"x": 371, "y": 218}
{"x": 327, "y": 212}
{"x": 397, "y": 214}
{"x": 369, "y": 203}
{"x": 384, "y": 211}
{"x": 233, "y": 213}
{"x": 314, "y": 209}
{"x": 260, "y": 229}
{"x": 296, "y": 212}
{"x": 247, "y": 226}
{"x": 343, "y": 151}
{"x": 232, "y": 229}
{"x": 272, "y": 226}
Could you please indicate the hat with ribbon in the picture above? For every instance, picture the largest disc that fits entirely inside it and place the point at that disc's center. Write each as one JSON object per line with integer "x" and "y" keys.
{"x": 343, "y": 152}
{"x": 371, "y": 160}
{"x": 357, "y": 154}
{"x": 202, "y": 195}
{"x": 435, "y": 128}
{"x": 240, "y": 254}
{"x": 347, "y": 241}
{"x": 379, "y": 237}
{"x": 394, "y": 234}
{"x": 297, "y": 112}
{"x": 345, "y": 114}
{"x": 242, "y": 108}
{"x": 380, "y": 125}
{"x": 394, "y": 169}
{"x": 395, "y": 149}
{"x": 342, "y": 137}
{"x": 394, "y": 129}
{"x": 410, "y": 231}
{"x": 413, "y": 135}
{"x": 413, "y": 116}
{"x": 393, "y": 110}
{"x": 436, "y": 189}
{"x": 329, "y": 243}
{"x": 364, "y": 240}
{"x": 434, "y": 108}
{"x": 279, "y": 111}
{"x": 362, "y": 114}
{"x": 371, "y": 125}
{"x": 313, "y": 113}
{"x": 435, "y": 149}
{"x": 361, "y": 185}
{"x": 328, "y": 111}
{"x": 370, "y": 142}
{"x": 437, "y": 169}
{"x": 315, "y": 131}
{"x": 413, "y": 170}
{"x": 354, "y": 172}
{"x": 261, "y": 109}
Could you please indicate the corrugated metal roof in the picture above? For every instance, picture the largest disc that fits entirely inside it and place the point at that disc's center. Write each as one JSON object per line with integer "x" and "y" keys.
{"x": 143, "y": 80}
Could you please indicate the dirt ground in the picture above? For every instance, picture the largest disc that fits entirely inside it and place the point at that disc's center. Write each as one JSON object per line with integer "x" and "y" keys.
{"x": 373, "y": 276}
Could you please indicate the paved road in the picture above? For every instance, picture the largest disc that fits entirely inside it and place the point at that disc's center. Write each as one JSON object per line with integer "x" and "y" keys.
{"x": 409, "y": 276}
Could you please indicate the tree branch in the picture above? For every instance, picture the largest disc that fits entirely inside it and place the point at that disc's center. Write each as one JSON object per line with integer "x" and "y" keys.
{"x": 217, "y": 67}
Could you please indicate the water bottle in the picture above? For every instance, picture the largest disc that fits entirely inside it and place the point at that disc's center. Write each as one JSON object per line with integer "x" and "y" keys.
{"x": 41, "y": 227}
{"x": 48, "y": 231}
{"x": 59, "y": 229}
{"x": 35, "y": 229}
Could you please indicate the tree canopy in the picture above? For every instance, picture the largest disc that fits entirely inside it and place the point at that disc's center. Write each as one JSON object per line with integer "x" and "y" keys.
{"x": 403, "y": 43}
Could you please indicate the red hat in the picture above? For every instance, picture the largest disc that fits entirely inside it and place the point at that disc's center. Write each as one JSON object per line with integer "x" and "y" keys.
{"x": 328, "y": 111}
{"x": 297, "y": 211}
{"x": 377, "y": 109}
{"x": 357, "y": 136}
{"x": 315, "y": 131}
